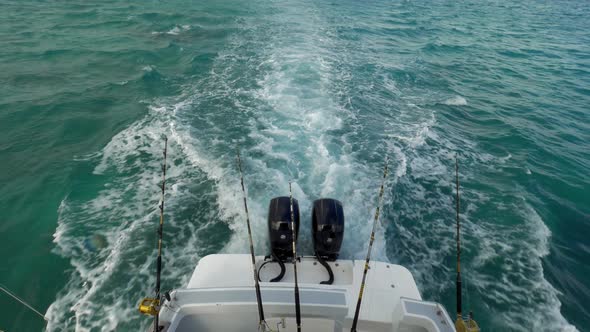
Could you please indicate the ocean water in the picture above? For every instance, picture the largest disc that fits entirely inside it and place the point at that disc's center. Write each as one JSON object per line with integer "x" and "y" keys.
{"x": 317, "y": 92}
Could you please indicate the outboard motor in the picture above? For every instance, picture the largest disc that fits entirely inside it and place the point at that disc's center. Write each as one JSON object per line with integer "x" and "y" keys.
{"x": 279, "y": 227}
{"x": 327, "y": 231}
{"x": 327, "y": 228}
{"x": 280, "y": 233}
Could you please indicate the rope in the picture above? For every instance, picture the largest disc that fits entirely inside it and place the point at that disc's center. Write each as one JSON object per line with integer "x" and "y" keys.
{"x": 5, "y": 290}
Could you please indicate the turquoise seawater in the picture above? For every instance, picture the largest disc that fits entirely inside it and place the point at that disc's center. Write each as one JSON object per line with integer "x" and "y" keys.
{"x": 317, "y": 91}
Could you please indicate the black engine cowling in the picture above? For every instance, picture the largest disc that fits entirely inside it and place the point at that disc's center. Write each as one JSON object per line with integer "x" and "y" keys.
{"x": 279, "y": 226}
{"x": 327, "y": 228}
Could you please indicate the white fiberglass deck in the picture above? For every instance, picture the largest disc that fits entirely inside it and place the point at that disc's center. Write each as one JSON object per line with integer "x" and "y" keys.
{"x": 220, "y": 296}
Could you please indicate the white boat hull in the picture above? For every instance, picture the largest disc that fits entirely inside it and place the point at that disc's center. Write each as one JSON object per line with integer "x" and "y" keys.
{"x": 220, "y": 296}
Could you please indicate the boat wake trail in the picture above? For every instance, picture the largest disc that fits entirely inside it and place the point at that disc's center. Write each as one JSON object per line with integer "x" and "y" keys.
{"x": 109, "y": 278}
{"x": 305, "y": 100}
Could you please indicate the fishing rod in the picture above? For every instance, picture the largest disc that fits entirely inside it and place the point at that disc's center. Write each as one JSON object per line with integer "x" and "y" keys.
{"x": 372, "y": 239}
{"x": 297, "y": 303}
{"x": 458, "y": 223}
{"x": 262, "y": 322}
{"x": 23, "y": 302}
{"x": 160, "y": 231}
{"x": 461, "y": 325}
{"x": 151, "y": 306}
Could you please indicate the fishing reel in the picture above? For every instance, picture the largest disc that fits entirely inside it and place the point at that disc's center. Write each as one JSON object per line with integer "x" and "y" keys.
{"x": 466, "y": 325}
{"x": 151, "y": 306}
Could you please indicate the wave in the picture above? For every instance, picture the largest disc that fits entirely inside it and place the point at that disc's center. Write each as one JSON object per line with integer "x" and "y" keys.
{"x": 520, "y": 281}
{"x": 456, "y": 101}
{"x": 176, "y": 30}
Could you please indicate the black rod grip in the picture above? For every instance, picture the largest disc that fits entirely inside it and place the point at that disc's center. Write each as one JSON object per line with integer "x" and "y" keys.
{"x": 297, "y": 309}
{"x": 459, "y": 306}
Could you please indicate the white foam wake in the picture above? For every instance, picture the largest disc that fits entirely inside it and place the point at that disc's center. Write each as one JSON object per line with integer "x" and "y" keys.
{"x": 107, "y": 283}
{"x": 283, "y": 91}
